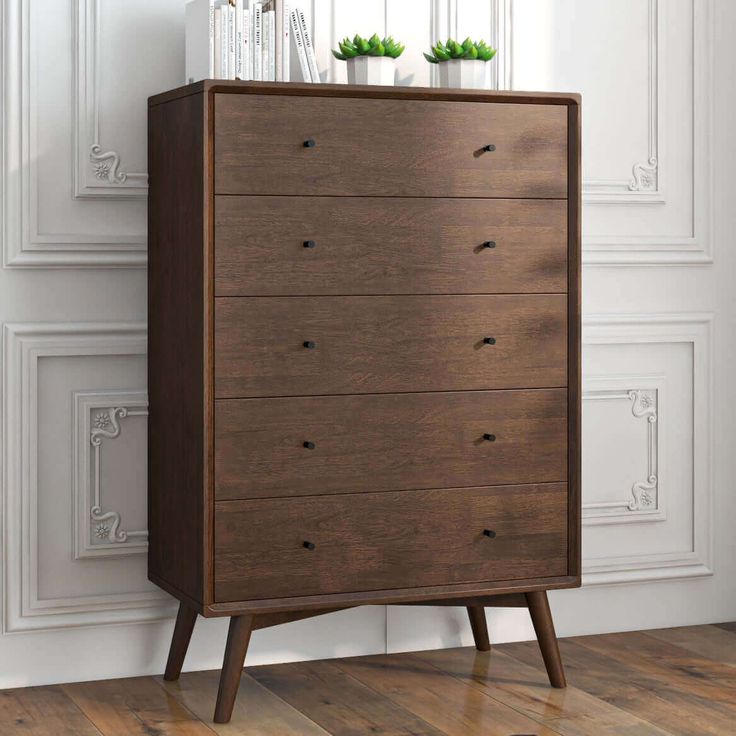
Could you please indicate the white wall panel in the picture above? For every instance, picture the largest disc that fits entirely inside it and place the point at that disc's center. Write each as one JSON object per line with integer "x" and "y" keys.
{"x": 76, "y": 75}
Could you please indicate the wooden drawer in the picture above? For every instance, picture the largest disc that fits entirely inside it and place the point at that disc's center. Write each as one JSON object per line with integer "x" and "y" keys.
{"x": 388, "y": 442}
{"x": 379, "y": 541}
{"x": 362, "y": 245}
{"x": 388, "y": 148}
{"x": 300, "y": 346}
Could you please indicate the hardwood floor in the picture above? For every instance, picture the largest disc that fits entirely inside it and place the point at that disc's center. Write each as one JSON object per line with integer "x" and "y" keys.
{"x": 669, "y": 682}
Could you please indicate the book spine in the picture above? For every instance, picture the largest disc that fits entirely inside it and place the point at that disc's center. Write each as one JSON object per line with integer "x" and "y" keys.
{"x": 264, "y": 47}
{"x": 299, "y": 44}
{"x": 247, "y": 63}
{"x": 239, "y": 68}
{"x": 258, "y": 41}
{"x": 272, "y": 46}
{"x": 278, "y": 8}
{"x": 212, "y": 39}
{"x": 308, "y": 48}
{"x": 224, "y": 41}
{"x": 285, "y": 32}
{"x": 218, "y": 42}
{"x": 231, "y": 34}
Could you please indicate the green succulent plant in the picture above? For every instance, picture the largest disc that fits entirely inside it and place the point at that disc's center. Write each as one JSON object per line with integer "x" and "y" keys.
{"x": 468, "y": 49}
{"x": 374, "y": 46}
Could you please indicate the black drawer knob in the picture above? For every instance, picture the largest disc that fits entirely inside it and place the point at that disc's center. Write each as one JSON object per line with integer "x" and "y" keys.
{"x": 489, "y": 340}
{"x": 489, "y": 437}
{"x": 309, "y": 345}
{"x": 490, "y": 148}
{"x": 309, "y": 244}
{"x": 489, "y": 533}
{"x": 308, "y": 545}
{"x": 489, "y": 244}
{"x": 310, "y": 143}
{"x": 309, "y": 445}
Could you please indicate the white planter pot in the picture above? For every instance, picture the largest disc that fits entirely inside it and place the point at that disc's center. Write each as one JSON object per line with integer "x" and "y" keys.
{"x": 371, "y": 70}
{"x": 464, "y": 74}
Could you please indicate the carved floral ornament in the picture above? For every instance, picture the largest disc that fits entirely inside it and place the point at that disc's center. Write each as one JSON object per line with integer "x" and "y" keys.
{"x": 105, "y": 424}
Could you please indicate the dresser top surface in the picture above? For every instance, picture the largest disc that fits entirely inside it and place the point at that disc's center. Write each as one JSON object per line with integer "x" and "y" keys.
{"x": 364, "y": 92}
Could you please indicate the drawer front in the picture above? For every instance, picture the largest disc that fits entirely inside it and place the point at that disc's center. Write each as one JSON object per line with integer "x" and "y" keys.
{"x": 299, "y": 346}
{"x": 279, "y": 246}
{"x": 388, "y": 148}
{"x": 379, "y": 541}
{"x": 338, "y": 444}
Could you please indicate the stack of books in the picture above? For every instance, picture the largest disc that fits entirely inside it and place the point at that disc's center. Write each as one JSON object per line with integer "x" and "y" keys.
{"x": 263, "y": 40}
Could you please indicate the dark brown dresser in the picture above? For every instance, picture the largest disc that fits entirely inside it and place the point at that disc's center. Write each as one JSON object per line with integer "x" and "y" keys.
{"x": 364, "y": 354}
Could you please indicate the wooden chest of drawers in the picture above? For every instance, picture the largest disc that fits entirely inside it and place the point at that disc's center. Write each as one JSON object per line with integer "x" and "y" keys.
{"x": 364, "y": 353}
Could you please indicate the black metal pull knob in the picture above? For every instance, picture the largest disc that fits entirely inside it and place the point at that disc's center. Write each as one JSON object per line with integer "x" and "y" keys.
{"x": 489, "y": 244}
{"x": 490, "y": 148}
{"x": 489, "y": 437}
{"x": 308, "y": 545}
{"x": 310, "y": 143}
{"x": 309, "y": 345}
{"x": 309, "y": 445}
{"x": 489, "y": 533}
{"x": 309, "y": 244}
{"x": 489, "y": 340}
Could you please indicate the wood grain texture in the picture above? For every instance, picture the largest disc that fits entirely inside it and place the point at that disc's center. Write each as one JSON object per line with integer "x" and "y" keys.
{"x": 574, "y": 337}
{"x": 177, "y": 388}
{"x": 391, "y": 246}
{"x": 132, "y": 707}
{"x": 338, "y": 703}
{"x": 42, "y": 711}
{"x": 525, "y": 688}
{"x": 367, "y": 92}
{"x": 257, "y": 710}
{"x": 388, "y": 540}
{"x": 238, "y": 638}
{"x": 388, "y": 148}
{"x": 441, "y": 700}
{"x": 183, "y": 628}
{"x": 388, "y": 442}
{"x": 710, "y": 642}
{"x": 479, "y": 627}
{"x": 544, "y": 628}
{"x": 428, "y": 594}
{"x": 384, "y": 344}
{"x": 674, "y": 689}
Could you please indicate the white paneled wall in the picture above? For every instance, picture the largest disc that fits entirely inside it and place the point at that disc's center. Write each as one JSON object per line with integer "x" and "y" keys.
{"x": 659, "y": 319}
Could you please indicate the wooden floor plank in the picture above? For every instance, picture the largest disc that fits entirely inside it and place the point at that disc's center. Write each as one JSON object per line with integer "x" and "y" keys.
{"x": 42, "y": 711}
{"x": 339, "y": 703}
{"x": 711, "y": 642}
{"x": 639, "y": 691}
{"x": 728, "y": 626}
{"x": 438, "y": 698}
{"x": 257, "y": 712}
{"x": 134, "y": 706}
{"x": 570, "y": 712}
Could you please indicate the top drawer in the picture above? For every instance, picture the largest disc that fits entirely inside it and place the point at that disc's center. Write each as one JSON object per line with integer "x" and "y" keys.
{"x": 372, "y": 147}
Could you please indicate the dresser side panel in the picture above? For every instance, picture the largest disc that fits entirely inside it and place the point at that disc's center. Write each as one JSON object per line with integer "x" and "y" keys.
{"x": 574, "y": 338}
{"x": 178, "y": 352}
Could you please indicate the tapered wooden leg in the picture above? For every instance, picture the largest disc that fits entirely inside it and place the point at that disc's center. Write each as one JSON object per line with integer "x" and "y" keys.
{"x": 183, "y": 628}
{"x": 477, "y": 615}
{"x": 545, "y": 629}
{"x": 232, "y": 668}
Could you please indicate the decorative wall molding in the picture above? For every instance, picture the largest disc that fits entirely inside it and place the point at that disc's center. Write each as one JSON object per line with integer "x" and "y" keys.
{"x": 641, "y": 501}
{"x": 643, "y": 185}
{"x": 695, "y": 330}
{"x": 23, "y": 245}
{"x": 24, "y": 346}
{"x": 100, "y": 531}
{"x": 694, "y": 247}
{"x": 98, "y": 171}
